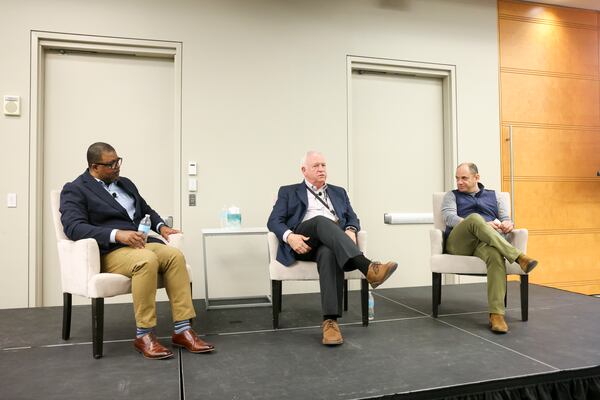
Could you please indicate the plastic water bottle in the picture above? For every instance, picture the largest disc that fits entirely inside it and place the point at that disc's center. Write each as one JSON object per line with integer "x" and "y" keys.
{"x": 144, "y": 226}
{"x": 371, "y": 306}
{"x": 234, "y": 217}
{"x": 223, "y": 217}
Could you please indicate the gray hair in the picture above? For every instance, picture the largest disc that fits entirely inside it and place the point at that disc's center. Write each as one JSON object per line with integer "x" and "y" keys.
{"x": 307, "y": 155}
{"x": 94, "y": 152}
{"x": 472, "y": 167}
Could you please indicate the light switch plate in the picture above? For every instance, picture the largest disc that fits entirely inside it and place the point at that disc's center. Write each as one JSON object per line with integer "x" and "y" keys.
{"x": 192, "y": 168}
{"x": 192, "y": 184}
{"x": 11, "y": 200}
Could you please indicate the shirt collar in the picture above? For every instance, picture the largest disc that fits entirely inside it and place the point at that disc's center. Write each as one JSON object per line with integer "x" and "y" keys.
{"x": 104, "y": 185}
{"x": 314, "y": 188}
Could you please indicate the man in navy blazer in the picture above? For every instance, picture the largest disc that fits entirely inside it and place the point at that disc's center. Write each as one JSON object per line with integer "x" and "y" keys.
{"x": 314, "y": 221}
{"x": 103, "y": 206}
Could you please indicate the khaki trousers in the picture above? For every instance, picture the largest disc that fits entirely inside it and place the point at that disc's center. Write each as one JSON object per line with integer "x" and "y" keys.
{"x": 474, "y": 237}
{"x": 143, "y": 267}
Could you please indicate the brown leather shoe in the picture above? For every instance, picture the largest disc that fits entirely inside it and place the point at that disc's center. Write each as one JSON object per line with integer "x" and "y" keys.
{"x": 191, "y": 342}
{"x": 151, "y": 348}
{"x": 379, "y": 272}
{"x": 526, "y": 263}
{"x": 331, "y": 333}
{"x": 497, "y": 323}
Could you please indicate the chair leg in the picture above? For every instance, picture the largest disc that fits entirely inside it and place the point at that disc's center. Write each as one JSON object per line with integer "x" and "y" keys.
{"x": 524, "y": 297}
{"x": 436, "y": 292}
{"x": 97, "y": 325}
{"x": 345, "y": 294}
{"x": 276, "y": 298}
{"x": 67, "y": 306}
{"x": 364, "y": 301}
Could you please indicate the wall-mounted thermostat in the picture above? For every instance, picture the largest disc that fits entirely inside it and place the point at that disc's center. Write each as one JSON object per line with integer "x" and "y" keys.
{"x": 12, "y": 105}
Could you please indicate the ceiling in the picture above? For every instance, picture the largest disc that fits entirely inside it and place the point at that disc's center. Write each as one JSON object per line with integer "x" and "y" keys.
{"x": 588, "y": 4}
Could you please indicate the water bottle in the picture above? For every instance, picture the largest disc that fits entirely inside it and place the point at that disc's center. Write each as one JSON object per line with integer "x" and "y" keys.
{"x": 223, "y": 217}
{"x": 144, "y": 226}
{"x": 371, "y": 306}
{"x": 234, "y": 217}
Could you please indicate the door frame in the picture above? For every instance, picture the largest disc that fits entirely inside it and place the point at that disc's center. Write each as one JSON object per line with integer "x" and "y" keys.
{"x": 445, "y": 72}
{"x": 40, "y": 42}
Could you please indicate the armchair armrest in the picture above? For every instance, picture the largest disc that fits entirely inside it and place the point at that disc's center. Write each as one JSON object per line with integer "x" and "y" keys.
{"x": 518, "y": 238}
{"x": 79, "y": 262}
{"x": 176, "y": 240}
{"x": 437, "y": 241}
{"x": 361, "y": 241}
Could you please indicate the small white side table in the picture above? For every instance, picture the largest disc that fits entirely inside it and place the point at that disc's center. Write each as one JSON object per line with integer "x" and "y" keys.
{"x": 266, "y": 300}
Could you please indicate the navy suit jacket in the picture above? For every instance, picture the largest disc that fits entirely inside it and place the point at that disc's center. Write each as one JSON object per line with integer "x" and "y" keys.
{"x": 290, "y": 208}
{"x": 89, "y": 211}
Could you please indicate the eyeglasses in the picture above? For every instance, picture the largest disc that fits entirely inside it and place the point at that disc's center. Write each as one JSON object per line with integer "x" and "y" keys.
{"x": 113, "y": 164}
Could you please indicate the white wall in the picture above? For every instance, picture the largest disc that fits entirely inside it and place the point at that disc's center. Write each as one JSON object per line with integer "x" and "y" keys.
{"x": 262, "y": 82}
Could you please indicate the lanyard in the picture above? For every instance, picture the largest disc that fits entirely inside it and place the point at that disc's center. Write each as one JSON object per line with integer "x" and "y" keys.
{"x": 331, "y": 210}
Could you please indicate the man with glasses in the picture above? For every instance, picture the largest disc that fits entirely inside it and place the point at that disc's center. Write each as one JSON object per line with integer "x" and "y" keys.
{"x": 100, "y": 204}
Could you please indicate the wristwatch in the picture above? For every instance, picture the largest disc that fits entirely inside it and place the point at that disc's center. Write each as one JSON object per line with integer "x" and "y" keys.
{"x": 351, "y": 228}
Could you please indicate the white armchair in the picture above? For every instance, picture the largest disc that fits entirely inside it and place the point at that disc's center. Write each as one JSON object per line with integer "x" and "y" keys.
{"x": 307, "y": 271}
{"x": 469, "y": 265}
{"x": 80, "y": 275}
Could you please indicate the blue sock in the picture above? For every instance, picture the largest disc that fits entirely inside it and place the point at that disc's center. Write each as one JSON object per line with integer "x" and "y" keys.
{"x": 182, "y": 326}
{"x": 139, "y": 332}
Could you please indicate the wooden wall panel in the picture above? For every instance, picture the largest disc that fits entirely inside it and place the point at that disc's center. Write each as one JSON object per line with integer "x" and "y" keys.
{"x": 547, "y": 14}
{"x": 566, "y": 261}
{"x": 551, "y": 205}
{"x": 550, "y": 95}
{"x": 547, "y": 152}
{"x": 557, "y": 49}
{"x": 550, "y": 100}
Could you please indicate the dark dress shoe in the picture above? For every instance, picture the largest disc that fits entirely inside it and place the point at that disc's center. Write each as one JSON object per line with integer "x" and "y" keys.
{"x": 191, "y": 342}
{"x": 150, "y": 347}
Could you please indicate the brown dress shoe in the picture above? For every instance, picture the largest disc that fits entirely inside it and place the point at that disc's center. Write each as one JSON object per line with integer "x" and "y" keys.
{"x": 379, "y": 272}
{"x": 191, "y": 342}
{"x": 526, "y": 263}
{"x": 331, "y": 333}
{"x": 150, "y": 347}
{"x": 498, "y": 324}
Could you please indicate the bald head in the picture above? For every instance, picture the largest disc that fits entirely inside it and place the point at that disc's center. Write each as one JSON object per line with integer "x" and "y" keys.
{"x": 471, "y": 166}
{"x": 467, "y": 177}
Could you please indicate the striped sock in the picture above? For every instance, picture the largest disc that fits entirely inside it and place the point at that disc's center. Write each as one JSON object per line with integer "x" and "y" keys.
{"x": 181, "y": 326}
{"x": 139, "y": 332}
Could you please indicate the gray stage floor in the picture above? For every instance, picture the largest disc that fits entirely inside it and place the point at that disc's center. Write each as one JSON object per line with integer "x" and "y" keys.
{"x": 404, "y": 350}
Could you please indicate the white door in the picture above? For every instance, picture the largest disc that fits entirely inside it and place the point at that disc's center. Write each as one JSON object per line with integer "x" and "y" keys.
{"x": 397, "y": 161}
{"x": 124, "y": 100}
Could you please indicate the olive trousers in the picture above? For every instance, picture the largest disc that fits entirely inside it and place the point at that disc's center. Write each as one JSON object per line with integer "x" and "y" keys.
{"x": 474, "y": 237}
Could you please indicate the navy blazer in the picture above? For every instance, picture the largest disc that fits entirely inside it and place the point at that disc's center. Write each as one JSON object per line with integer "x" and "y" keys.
{"x": 290, "y": 208}
{"x": 89, "y": 211}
